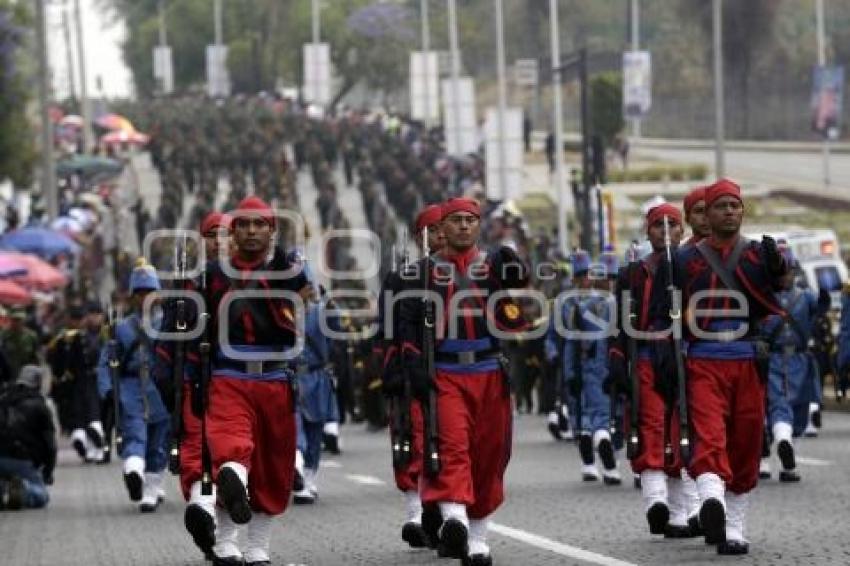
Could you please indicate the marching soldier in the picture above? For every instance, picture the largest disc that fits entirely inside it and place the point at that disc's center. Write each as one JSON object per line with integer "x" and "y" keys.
{"x": 792, "y": 368}
{"x": 669, "y": 495}
{"x": 585, "y": 368}
{"x": 199, "y": 515}
{"x": 316, "y": 399}
{"x": 419, "y": 529}
{"x": 73, "y": 357}
{"x": 843, "y": 355}
{"x": 467, "y": 398}
{"x": 694, "y": 206}
{"x": 725, "y": 389}
{"x": 142, "y": 419}
{"x": 250, "y": 420}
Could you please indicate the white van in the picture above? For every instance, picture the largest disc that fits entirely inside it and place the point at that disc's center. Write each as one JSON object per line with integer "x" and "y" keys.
{"x": 818, "y": 252}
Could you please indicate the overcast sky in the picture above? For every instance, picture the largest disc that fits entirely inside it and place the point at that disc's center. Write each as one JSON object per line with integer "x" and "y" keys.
{"x": 103, "y": 53}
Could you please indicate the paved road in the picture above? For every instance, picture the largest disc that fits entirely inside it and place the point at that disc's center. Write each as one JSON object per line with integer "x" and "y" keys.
{"x": 803, "y": 170}
{"x": 550, "y": 517}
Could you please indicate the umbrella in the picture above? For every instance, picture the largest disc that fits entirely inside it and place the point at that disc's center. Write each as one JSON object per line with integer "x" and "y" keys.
{"x": 67, "y": 225}
{"x": 72, "y": 120}
{"x": 88, "y": 166}
{"x": 39, "y": 274}
{"x": 13, "y": 294}
{"x": 115, "y": 122}
{"x": 37, "y": 240}
{"x": 118, "y": 137}
{"x": 10, "y": 266}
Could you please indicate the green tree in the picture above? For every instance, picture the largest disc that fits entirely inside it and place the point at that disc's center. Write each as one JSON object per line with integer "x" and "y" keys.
{"x": 17, "y": 143}
{"x": 606, "y": 105}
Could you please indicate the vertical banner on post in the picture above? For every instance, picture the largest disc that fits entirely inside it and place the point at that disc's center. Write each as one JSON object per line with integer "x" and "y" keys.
{"x": 610, "y": 223}
{"x": 218, "y": 79}
{"x": 317, "y": 73}
{"x": 460, "y": 126}
{"x": 163, "y": 71}
{"x": 424, "y": 86}
{"x": 637, "y": 84}
{"x": 827, "y": 100}
{"x": 504, "y": 167}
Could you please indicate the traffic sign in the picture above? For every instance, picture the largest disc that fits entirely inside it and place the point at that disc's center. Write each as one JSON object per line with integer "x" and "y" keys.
{"x": 526, "y": 72}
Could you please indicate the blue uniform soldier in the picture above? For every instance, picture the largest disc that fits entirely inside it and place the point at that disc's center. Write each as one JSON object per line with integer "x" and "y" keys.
{"x": 143, "y": 422}
{"x": 585, "y": 367}
{"x": 843, "y": 357}
{"x": 317, "y": 403}
{"x": 793, "y": 376}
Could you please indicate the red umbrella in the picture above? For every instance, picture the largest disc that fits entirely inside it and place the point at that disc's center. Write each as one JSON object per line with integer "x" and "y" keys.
{"x": 115, "y": 122}
{"x": 118, "y": 137}
{"x": 40, "y": 274}
{"x": 13, "y": 294}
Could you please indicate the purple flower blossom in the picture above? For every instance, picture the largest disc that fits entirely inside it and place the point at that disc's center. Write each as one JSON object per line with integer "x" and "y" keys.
{"x": 383, "y": 21}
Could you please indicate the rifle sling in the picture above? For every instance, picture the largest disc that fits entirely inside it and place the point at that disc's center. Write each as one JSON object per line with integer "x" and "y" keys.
{"x": 724, "y": 271}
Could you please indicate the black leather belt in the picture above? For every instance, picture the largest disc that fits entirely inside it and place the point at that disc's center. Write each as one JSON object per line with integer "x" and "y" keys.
{"x": 254, "y": 367}
{"x": 466, "y": 358}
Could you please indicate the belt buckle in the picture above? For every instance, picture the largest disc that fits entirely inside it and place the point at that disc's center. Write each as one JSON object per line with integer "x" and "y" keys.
{"x": 255, "y": 366}
{"x": 466, "y": 358}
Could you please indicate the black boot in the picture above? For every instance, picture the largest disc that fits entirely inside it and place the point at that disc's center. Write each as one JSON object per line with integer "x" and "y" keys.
{"x": 658, "y": 516}
{"x": 696, "y": 528}
{"x": 785, "y": 451}
{"x": 789, "y": 476}
{"x": 733, "y": 547}
{"x": 712, "y": 518}
{"x": 134, "y": 482}
{"x": 414, "y": 535}
{"x": 477, "y": 560}
{"x": 233, "y": 496}
{"x": 432, "y": 520}
{"x": 331, "y": 442}
{"x": 453, "y": 539}
{"x": 201, "y": 526}
{"x": 227, "y": 561}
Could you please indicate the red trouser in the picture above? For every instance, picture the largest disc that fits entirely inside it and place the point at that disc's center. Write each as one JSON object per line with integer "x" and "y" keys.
{"x": 474, "y": 417}
{"x": 252, "y": 423}
{"x": 190, "y": 445}
{"x": 726, "y": 402}
{"x": 651, "y": 416}
{"x": 408, "y": 478}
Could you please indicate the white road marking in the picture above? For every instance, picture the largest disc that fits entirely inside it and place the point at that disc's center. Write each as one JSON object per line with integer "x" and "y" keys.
{"x": 557, "y": 547}
{"x": 365, "y": 480}
{"x": 329, "y": 464}
{"x": 812, "y": 461}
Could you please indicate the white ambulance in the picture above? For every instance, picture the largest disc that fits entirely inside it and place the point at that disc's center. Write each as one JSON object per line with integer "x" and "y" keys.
{"x": 818, "y": 252}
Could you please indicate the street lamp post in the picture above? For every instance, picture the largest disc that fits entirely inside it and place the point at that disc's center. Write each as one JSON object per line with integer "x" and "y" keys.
{"x": 84, "y": 92}
{"x": 503, "y": 96}
{"x": 821, "y": 38}
{"x": 48, "y": 171}
{"x": 563, "y": 244}
{"x": 426, "y": 50}
{"x": 719, "y": 111}
{"x": 455, "y": 70}
{"x": 635, "y": 33}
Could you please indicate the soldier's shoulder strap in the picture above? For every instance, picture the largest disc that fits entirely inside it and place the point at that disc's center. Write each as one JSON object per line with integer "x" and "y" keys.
{"x": 725, "y": 271}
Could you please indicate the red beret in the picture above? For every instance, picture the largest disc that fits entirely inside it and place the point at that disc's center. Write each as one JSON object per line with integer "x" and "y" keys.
{"x": 461, "y": 204}
{"x": 697, "y": 194}
{"x": 429, "y": 216}
{"x": 722, "y": 188}
{"x": 657, "y": 213}
{"x": 257, "y": 205}
{"x": 215, "y": 220}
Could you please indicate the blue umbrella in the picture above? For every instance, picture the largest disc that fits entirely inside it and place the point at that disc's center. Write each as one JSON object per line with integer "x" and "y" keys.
{"x": 39, "y": 241}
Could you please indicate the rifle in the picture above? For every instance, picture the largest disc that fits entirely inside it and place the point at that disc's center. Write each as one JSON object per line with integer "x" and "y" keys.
{"x": 114, "y": 411}
{"x": 676, "y": 319}
{"x": 633, "y": 445}
{"x": 576, "y": 363}
{"x": 402, "y": 429}
{"x": 178, "y": 361}
{"x": 203, "y": 386}
{"x": 432, "y": 448}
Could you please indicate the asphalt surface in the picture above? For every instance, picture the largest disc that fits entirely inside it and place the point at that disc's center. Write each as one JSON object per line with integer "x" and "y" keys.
{"x": 778, "y": 170}
{"x": 550, "y": 516}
